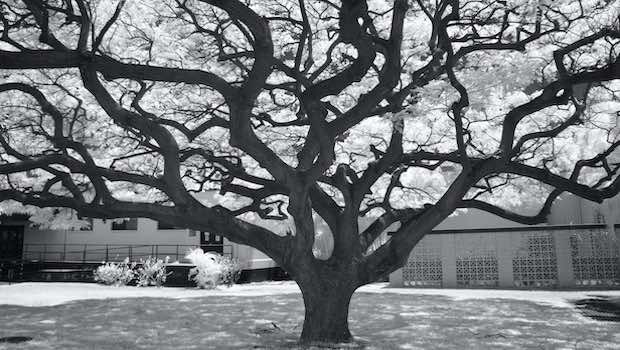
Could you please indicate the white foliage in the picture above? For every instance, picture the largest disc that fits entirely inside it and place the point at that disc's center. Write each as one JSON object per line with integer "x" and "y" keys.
{"x": 211, "y": 269}
{"x": 117, "y": 274}
{"x": 497, "y": 81}
{"x": 231, "y": 270}
{"x": 152, "y": 272}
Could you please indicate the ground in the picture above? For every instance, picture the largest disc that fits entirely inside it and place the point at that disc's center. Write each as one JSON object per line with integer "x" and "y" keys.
{"x": 269, "y": 315}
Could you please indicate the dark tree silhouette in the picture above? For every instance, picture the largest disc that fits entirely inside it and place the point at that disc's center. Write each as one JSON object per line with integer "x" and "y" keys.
{"x": 267, "y": 102}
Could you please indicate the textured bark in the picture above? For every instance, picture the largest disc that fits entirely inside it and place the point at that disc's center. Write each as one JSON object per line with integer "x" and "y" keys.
{"x": 327, "y": 311}
{"x": 327, "y": 286}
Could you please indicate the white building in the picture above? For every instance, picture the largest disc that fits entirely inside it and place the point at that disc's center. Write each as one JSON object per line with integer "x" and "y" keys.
{"x": 108, "y": 240}
{"x": 475, "y": 249}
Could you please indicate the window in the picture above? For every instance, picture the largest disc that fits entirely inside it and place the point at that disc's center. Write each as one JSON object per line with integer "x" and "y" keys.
{"x": 162, "y": 225}
{"x": 210, "y": 242}
{"x": 126, "y": 224}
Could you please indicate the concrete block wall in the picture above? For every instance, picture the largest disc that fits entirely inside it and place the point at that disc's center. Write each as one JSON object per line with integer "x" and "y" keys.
{"x": 551, "y": 268}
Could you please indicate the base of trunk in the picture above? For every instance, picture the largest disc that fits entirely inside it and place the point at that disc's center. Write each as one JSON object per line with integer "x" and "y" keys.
{"x": 315, "y": 334}
{"x": 327, "y": 312}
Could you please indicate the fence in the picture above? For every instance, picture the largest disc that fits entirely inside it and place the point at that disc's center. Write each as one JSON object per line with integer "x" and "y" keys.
{"x": 525, "y": 257}
{"x": 111, "y": 252}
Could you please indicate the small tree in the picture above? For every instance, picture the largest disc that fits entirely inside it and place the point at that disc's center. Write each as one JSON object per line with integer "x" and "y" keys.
{"x": 323, "y": 113}
{"x": 152, "y": 272}
{"x": 117, "y": 274}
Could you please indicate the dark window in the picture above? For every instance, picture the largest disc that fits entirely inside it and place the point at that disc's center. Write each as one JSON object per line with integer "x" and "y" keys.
{"x": 11, "y": 241}
{"x": 162, "y": 225}
{"x": 126, "y": 224}
{"x": 210, "y": 242}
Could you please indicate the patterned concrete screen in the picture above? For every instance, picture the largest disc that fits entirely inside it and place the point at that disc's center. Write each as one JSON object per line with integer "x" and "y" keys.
{"x": 476, "y": 261}
{"x": 548, "y": 257}
{"x": 595, "y": 258}
{"x": 424, "y": 267}
{"x": 535, "y": 263}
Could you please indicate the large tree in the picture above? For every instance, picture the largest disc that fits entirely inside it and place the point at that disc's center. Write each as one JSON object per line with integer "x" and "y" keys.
{"x": 376, "y": 119}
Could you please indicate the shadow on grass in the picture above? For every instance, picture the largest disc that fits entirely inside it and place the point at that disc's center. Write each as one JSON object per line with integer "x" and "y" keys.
{"x": 600, "y": 308}
{"x": 378, "y": 322}
{"x": 15, "y": 340}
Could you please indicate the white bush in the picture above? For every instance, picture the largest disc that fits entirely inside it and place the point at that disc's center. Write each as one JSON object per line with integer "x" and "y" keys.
{"x": 231, "y": 270}
{"x": 152, "y": 272}
{"x": 212, "y": 269}
{"x": 207, "y": 272}
{"x": 115, "y": 273}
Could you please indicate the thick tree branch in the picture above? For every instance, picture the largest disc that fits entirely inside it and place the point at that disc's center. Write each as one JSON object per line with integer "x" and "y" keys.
{"x": 561, "y": 183}
{"x": 111, "y": 68}
{"x": 197, "y": 218}
{"x": 126, "y": 119}
{"x": 559, "y": 91}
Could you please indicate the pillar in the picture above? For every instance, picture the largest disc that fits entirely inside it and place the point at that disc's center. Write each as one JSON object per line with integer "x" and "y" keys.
{"x": 448, "y": 260}
{"x": 505, "y": 246}
{"x": 396, "y": 278}
{"x": 566, "y": 277}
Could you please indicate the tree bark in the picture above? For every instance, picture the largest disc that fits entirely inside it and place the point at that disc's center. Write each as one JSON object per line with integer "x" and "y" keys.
{"x": 327, "y": 309}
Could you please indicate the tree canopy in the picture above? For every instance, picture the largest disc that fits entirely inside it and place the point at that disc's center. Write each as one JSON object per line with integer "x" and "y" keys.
{"x": 225, "y": 115}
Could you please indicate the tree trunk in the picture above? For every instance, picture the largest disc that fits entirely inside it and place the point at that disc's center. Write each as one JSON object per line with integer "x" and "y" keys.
{"x": 327, "y": 311}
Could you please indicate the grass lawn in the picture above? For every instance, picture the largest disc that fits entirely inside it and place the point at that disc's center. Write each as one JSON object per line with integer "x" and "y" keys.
{"x": 238, "y": 318}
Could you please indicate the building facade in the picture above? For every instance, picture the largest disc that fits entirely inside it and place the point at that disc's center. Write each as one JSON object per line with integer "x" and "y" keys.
{"x": 108, "y": 240}
{"x": 575, "y": 249}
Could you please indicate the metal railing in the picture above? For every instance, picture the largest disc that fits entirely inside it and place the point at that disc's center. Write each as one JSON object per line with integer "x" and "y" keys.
{"x": 112, "y": 252}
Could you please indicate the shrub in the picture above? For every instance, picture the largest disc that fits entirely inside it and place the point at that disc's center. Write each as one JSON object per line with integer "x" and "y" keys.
{"x": 115, "y": 273}
{"x": 207, "y": 272}
{"x": 152, "y": 272}
{"x": 231, "y": 270}
{"x": 212, "y": 269}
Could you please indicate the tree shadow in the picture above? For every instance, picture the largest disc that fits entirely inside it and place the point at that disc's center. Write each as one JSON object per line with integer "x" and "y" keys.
{"x": 15, "y": 340}
{"x": 600, "y": 308}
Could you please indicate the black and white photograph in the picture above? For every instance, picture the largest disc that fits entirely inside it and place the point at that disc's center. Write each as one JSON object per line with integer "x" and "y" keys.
{"x": 310, "y": 174}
